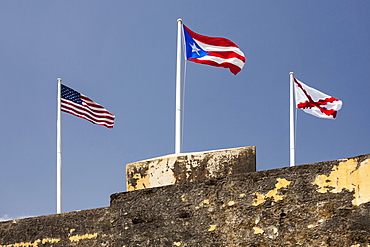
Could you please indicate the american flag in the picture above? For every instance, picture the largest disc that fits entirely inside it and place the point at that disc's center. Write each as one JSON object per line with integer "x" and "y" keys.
{"x": 81, "y": 106}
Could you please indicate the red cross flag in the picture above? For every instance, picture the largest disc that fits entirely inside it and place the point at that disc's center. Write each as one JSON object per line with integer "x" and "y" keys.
{"x": 315, "y": 102}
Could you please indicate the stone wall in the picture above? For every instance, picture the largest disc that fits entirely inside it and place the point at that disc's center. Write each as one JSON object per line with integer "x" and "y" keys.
{"x": 189, "y": 167}
{"x": 322, "y": 204}
{"x": 80, "y": 228}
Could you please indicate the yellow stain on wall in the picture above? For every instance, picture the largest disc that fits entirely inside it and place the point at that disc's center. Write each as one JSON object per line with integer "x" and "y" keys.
{"x": 141, "y": 183}
{"x": 33, "y": 244}
{"x": 257, "y": 230}
{"x": 86, "y": 236}
{"x": 212, "y": 228}
{"x": 47, "y": 240}
{"x": 282, "y": 183}
{"x": 259, "y": 199}
{"x": 348, "y": 175}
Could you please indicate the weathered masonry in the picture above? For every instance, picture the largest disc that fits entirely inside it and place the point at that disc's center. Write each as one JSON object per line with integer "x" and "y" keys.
{"x": 190, "y": 167}
{"x": 321, "y": 204}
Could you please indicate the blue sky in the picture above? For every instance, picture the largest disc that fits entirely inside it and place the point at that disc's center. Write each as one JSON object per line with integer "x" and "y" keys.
{"x": 122, "y": 54}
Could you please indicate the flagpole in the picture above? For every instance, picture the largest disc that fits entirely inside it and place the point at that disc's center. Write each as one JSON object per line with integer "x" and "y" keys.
{"x": 291, "y": 115}
{"x": 178, "y": 89}
{"x": 59, "y": 149}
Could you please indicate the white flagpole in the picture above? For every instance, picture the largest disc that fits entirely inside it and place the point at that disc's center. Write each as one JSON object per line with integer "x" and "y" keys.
{"x": 291, "y": 115}
{"x": 59, "y": 149}
{"x": 178, "y": 89}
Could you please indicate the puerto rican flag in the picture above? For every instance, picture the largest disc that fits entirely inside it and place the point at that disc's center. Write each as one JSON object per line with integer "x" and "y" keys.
{"x": 315, "y": 102}
{"x": 219, "y": 52}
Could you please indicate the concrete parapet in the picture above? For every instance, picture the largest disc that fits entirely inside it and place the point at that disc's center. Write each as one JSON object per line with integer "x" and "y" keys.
{"x": 189, "y": 167}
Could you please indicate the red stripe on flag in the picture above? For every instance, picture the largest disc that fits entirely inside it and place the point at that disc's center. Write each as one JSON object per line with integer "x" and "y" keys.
{"x": 98, "y": 116}
{"x": 226, "y": 55}
{"x": 233, "y": 68}
{"x": 87, "y": 111}
{"x": 217, "y": 41}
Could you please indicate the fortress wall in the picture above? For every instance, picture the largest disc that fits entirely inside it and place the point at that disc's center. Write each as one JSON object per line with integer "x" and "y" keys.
{"x": 79, "y": 228}
{"x": 322, "y": 204}
{"x": 190, "y": 167}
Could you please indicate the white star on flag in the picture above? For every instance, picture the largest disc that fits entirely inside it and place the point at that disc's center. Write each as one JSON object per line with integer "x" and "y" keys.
{"x": 194, "y": 48}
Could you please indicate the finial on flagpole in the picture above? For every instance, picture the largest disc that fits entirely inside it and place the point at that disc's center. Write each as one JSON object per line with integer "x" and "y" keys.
{"x": 179, "y": 20}
{"x": 291, "y": 73}
{"x": 59, "y": 79}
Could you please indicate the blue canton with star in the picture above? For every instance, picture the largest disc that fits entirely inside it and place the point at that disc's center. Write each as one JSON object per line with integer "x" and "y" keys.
{"x": 71, "y": 95}
{"x": 193, "y": 50}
